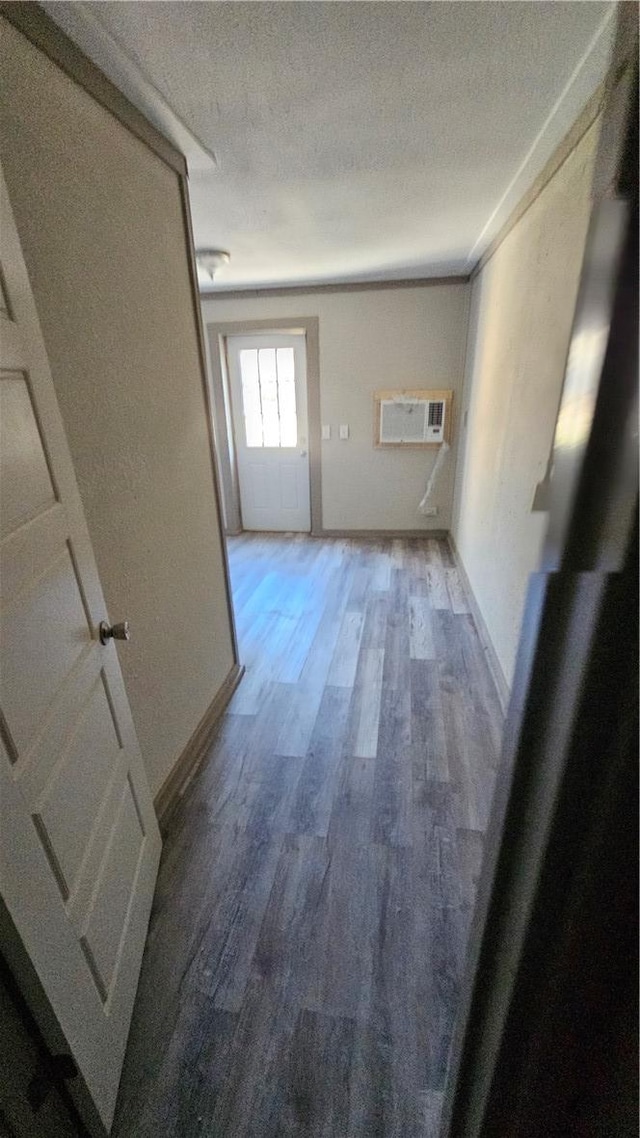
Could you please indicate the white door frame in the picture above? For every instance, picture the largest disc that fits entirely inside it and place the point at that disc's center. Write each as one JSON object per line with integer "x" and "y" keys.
{"x": 217, "y": 334}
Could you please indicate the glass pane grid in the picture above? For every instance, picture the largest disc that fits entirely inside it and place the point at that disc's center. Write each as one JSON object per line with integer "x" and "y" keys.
{"x": 269, "y": 397}
{"x": 287, "y": 398}
{"x": 251, "y": 401}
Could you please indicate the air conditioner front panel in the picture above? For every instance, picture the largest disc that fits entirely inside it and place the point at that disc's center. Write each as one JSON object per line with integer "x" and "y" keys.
{"x": 403, "y": 422}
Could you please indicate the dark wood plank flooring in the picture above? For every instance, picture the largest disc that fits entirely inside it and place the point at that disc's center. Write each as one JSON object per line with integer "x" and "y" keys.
{"x": 304, "y": 956}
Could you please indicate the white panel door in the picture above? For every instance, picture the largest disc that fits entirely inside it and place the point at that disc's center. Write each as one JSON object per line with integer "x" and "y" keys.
{"x": 268, "y": 382}
{"x": 79, "y": 841}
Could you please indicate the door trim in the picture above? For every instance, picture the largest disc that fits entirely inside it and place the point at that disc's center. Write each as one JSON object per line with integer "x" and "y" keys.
{"x": 206, "y": 391}
{"x": 309, "y": 326}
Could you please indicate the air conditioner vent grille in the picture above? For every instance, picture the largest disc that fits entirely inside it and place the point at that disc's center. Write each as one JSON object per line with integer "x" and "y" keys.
{"x": 436, "y": 412}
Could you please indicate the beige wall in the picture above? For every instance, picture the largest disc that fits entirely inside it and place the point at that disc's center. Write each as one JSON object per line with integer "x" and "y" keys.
{"x": 101, "y": 225}
{"x": 522, "y": 307}
{"x": 372, "y": 339}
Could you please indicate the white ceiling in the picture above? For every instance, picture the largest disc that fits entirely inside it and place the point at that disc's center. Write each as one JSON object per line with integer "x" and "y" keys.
{"x": 354, "y": 140}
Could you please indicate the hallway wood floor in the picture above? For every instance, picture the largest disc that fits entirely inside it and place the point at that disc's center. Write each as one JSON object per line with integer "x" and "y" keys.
{"x": 307, "y": 938}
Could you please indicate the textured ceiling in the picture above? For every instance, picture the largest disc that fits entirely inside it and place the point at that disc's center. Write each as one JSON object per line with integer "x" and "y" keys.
{"x": 351, "y": 140}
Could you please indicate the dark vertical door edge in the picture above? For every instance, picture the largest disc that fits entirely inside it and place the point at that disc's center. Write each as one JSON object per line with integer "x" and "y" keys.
{"x": 547, "y": 1039}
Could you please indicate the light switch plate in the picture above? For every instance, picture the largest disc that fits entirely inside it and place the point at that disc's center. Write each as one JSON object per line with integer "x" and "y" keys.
{"x": 344, "y": 430}
{"x": 326, "y": 430}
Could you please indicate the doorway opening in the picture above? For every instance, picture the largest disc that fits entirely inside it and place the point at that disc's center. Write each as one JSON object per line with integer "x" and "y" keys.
{"x": 265, "y": 401}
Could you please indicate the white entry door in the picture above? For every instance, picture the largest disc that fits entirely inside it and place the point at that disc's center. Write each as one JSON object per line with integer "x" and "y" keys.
{"x": 268, "y": 381}
{"x": 79, "y": 841}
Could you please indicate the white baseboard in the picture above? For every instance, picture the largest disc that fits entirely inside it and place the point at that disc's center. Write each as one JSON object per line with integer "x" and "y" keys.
{"x": 196, "y": 749}
{"x": 495, "y": 667}
{"x": 381, "y": 534}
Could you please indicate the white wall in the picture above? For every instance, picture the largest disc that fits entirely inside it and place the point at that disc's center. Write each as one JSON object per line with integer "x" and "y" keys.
{"x": 373, "y": 339}
{"x": 522, "y": 306}
{"x": 100, "y": 220}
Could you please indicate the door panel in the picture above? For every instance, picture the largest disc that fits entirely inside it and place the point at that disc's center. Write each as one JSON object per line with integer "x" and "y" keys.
{"x": 78, "y": 784}
{"x": 255, "y": 490}
{"x": 289, "y": 487}
{"x": 48, "y": 617}
{"x": 79, "y": 841}
{"x": 108, "y": 917}
{"x": 26, "y": 488}
{"x": 268, "y": 386}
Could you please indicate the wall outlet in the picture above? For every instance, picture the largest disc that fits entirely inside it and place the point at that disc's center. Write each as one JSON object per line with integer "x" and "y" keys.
{"x": 430, "y": 511}
{"x": 326, "y": 431}
{"x": 344, "y": 431}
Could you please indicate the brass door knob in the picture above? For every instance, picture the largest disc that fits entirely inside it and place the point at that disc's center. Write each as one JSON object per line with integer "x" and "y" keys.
{"x": 114, "y": 631}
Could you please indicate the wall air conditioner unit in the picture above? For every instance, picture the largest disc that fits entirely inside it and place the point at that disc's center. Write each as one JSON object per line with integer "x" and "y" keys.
{"x": 412, "y": 418}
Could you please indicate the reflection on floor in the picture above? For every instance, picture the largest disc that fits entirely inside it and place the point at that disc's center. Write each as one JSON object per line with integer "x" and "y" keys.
{"x": 309, "y": 927}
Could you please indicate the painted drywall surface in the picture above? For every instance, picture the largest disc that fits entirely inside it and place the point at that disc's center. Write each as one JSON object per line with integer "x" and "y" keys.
{"x": 101, "y": 225}
{"x": 521, "y": 312}
{"x": 370, "y": 340}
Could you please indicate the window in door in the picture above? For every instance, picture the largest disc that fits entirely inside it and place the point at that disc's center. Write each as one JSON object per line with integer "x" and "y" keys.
{"x": 269, "y": 397}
